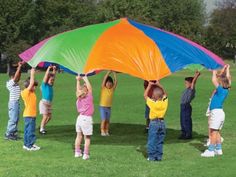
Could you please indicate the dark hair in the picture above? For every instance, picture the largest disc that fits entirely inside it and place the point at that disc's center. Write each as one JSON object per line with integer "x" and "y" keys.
{"x": 189, "y": 79}
{"x": 109, "y": 79}
{"x": 12, "y": 73}
{"x": 27, "y": 82}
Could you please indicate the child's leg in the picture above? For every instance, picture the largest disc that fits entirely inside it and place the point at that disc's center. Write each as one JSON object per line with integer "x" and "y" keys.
{"x": 43, "y": 122}
{"x": 49, "y": 116}
{"x": 103, "y": 118}
{"x": 26, "y": 133}
{"x": 103, "y": 122}
{"x": 152, "y": 141}
{"x": 78, "y": 142}
{"x": 161, "y": 136}
{"x": 87, "y": 144}
{"x": 182, "y": 120}
{"x": 107, "y": 124}
{"x": 32, "y": 137}
{"x": 188, "y": 121}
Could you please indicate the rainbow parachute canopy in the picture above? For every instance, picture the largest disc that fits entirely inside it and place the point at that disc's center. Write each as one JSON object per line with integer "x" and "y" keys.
{"x": 122, "y": 45}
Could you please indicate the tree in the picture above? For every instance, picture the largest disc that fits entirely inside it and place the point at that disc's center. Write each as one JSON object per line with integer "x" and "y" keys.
{"x": 221, "y": 33}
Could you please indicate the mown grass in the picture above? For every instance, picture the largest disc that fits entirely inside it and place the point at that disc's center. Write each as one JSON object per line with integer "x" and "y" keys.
{"x": 123, "y": 153}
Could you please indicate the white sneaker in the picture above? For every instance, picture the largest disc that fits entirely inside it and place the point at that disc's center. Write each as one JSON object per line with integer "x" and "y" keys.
{"x": 107, "y": 134}
{"x": 35, "y": 148}
{"x": 78, "y": 154}
{"x": 219, "y": 152}
{"x": 26, "y": 148}
{"x": 103, "y": 134}
{"x": 222, "y": 139}
{"x": 85, "y": 157}
{"x": 208, "y": 153}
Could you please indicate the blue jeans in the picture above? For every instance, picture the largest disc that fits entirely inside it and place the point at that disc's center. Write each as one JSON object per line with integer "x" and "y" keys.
{"x": 156, "y": 136}
{"x": 105, "y": 113}
{"x": 29, "y": 132}
{"x": 186, "y": 119}
{"x": 14, "y": 116}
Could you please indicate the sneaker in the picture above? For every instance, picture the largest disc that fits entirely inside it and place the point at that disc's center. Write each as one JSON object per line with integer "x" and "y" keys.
{"x": 78, "y": 154}
{"x": 42, "y": 132}
{"x": 85, "y": 157}
{"x": 26, "y": 148}
{"x": 219, "y": 152}
{"x": 222, "y": 139}
{"x": 10, "y": 137}
{"x": 107, "y": 134}
{"x": 103, "y": 134}
{"x": 208, "y": 153}
{"x": 35, "y": 148}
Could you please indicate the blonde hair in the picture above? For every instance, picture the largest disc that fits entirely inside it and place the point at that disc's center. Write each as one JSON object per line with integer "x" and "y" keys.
{"x": 158, "y": 93}
{"x": 224, "y": 81}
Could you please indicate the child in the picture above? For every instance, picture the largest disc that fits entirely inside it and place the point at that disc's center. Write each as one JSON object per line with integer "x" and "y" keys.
{"x": 147, "y": 110}
{"x": 84, "y": 123}
{"x": 217, "y": 115}
{"x": 30, "y": 112}
{"x": 108, "y": 88}
{"x": 13, "y": 104}
{"x": 158, "y": 104}
{"x": 45, "y": 105}
{"x": 186, "y": 108}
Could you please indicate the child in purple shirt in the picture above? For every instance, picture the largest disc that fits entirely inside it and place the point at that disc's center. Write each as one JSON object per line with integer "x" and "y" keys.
{"x": 84, "y": 123}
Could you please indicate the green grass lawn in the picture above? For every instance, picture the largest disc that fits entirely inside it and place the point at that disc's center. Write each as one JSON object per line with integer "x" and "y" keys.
{"x": 123, "y": 153}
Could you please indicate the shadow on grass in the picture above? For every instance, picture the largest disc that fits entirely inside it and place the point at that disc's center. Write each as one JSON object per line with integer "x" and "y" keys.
{"x": 121, "y": 134}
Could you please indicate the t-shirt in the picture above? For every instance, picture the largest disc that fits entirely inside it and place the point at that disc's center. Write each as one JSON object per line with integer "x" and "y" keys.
{"x": 157, "y": 108}
{"x": 47, "y": 91}
{"x": 30, "y": 100}
{"x": 14, "y": 90}
{"x": 187, "y": 96}
{"x": 218, "y": 98}
{"x": 85, "y": 105}
{"x": 106, "y": 97}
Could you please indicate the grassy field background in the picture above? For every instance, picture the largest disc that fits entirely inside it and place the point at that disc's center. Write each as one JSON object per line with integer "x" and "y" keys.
{"x": 123, "y": 153}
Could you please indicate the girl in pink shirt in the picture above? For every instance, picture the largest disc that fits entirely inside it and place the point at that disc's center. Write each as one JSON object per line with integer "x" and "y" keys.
{"x": 84, "y": 123}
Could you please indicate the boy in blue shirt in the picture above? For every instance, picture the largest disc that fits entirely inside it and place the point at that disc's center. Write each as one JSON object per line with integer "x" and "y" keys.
{"x": 45, "y": 105}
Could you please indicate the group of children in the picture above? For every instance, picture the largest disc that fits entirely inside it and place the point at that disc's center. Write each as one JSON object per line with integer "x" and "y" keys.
{"x": 156, "y": 107}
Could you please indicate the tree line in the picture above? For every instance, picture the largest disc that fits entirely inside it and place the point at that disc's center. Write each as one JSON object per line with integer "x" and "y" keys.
{"x": 24, "y": 23}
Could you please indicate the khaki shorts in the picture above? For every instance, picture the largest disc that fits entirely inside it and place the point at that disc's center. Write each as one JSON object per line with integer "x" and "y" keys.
{"x": 84, "y": 124}
{"x": 217, "y": 118}
{"x": 45, "y": 107}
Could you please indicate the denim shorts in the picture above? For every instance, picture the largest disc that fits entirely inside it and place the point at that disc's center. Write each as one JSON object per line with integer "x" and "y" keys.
{"x": 105, "y": 113}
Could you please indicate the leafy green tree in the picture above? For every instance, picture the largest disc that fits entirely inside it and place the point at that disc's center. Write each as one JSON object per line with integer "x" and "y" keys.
{"x": 221, "y": 33}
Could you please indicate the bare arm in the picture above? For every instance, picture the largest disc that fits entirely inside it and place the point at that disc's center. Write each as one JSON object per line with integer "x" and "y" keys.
{"x": 159, "y": 85}
{"x": 197, "y": 74}
{"x": 214, "y": 78}
{"x": 228, "y": 75}
{"x": 54, "y": 70}
{"x": 115, "y": 80}
{"x": 147, "y": 90}
{"x": 32, "y": 73}
{"x": 105, "y": 78}
{"x": 78, "y": 86}
{"x": 18, "y": 72}
{"x": 85, "y": 78}
{"x": 45, "y": 79}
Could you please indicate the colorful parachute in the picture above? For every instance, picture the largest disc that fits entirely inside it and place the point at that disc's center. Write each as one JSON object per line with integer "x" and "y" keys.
{"x": 122, "y": 45}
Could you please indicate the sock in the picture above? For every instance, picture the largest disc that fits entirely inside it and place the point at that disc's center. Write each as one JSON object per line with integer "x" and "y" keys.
{"x": 86, "y": 151}
{"x": 41, "y": 128}
{"x": 78, "y": 150}
{"x": 211, "y": 147}
{"x": 218, "y": 146}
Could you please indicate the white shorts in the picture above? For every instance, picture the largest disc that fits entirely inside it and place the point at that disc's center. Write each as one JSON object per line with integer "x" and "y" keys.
{"x": 45, "y": 107}
{"x": 84, "y": 124}
{"x": 217, "y": 119}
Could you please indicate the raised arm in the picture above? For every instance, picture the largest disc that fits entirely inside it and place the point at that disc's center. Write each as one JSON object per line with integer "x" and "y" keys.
{"x": 54, "y": 70}
{"x": 78, "y": 86}
{"x": 159, "y": 85}
{"x": 147, "y": 90}
{"x": 197, "y": 74}
{"x": 31, "y": 84}
{"x": 45, "y": 79}
{"x": 85, "y": 78}
{"x": 105, "y": 78}
{"x": 214, "y": 78}
{"x": 115, "y": 79}
{"x": 18, "y": 72}
{"x": 228, "y": 75}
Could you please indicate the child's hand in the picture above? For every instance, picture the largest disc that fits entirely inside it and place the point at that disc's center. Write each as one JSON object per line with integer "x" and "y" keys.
{"x": 78, "y": 77}
{"x": 20, "y": 63}
{"x": 54, "y": 67}
{"x": 197, "y": 73}
{"x": 227, "y": 66}
{"x": 32, "y": 71}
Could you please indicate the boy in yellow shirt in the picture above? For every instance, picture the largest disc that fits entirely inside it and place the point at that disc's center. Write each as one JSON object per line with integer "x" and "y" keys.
{"x": 108, "y": 88}
{"x": 158, "y": 104}
{"x": 29, "y": 97}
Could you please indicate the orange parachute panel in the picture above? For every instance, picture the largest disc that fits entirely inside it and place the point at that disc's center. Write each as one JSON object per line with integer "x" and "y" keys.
{"x": 126, "y": 49}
